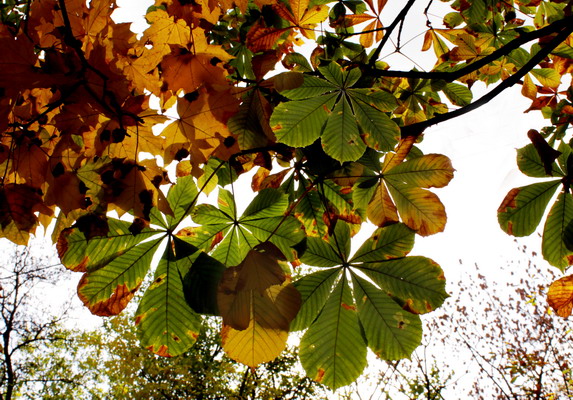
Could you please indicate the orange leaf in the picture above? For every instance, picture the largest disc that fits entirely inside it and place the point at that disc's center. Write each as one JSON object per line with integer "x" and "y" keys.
{"x": 135, "y": 186}
{"x": 202, "y": 127}
{"x": 261, "y": 38}
{"x": 560, "y": 296}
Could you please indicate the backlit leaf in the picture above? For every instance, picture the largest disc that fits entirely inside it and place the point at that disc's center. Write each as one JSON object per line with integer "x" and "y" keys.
{"x": 392, "y": 333}
{"x": 560, "y": 296}
{"x": 333, "y": 350}
{"x": 166, "y": 324}
{"x": 522, "y": 209}
{"x": 557, "y": 233}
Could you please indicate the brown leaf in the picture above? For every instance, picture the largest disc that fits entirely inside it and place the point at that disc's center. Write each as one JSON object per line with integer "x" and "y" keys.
{"x": 257, "y": 290}
{"x": 547, "y": 153}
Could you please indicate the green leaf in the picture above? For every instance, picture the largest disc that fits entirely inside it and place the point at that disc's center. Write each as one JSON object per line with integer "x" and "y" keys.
{"x": 391, "y": 332}
{"x": 379, "y": 99}
{"x": 557, "y": 240}
{"x": 234, "y": 246}
{"x": 393, "y": 241}
{"x": 267, "y": 203}
{"x": 309, "y": 211}
{"x": 79, "y": 254}
{"x": 166, "y": 324}
{"x": 564, "y": 159}
{"x": 334, "y": 74}
{"x": 299, "y": 60}
{"x": 242, "y": 61}
{"x": 311, "y": 87}
{"x": 453, "y": 19}
{"x": 529, "y": 162}
{"x": 379, "y": 131}
{"x": 341, "y": 139}
{"x": 548, "y": 77}
{"x": 333, "y": 350}
{"x": 181, "y": 198}
{"x": 417, "y": 282}
{"x": 208, "y": 214}
{"x": 314, "y": 289}
{"x": 201, "y": 282}
{"x": 457, "y": 94}
{"x": 299, "y": 123}
{"x": 107, "y": 290}
{"x": 522, "y": 209}
{"x": 226, "y": 203}
{"x": 320, "y": 253}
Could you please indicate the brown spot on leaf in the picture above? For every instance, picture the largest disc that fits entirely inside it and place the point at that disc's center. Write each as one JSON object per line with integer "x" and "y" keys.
{"x": 408, "y": 306}
{"x": 162, "y": 351}
{"x": 92, "y": 225}
{"x": 348, "y": 307}
{"x": 319, "y": 375}
{"x": 508, "y": 202}
{"x": 216, "y": 239}
{"x": 137, "y": 226}
{"x": 112, "y": 306}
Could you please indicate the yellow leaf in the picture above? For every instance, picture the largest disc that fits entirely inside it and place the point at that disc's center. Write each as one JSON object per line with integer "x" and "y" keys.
{"x": 381, "y": 210}
{"x": 420, "y": 209}
{"x": 165, "y": 31}
{"x": 560, "y": 296}
{"x": 253, "y": 345}
{"x": 548, "y": 77}
{"x": 252, "y": 290}
{"x": 402, "y": 150}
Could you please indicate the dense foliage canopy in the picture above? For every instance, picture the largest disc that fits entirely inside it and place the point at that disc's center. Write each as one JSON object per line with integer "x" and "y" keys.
{"x": 331, "y": 142}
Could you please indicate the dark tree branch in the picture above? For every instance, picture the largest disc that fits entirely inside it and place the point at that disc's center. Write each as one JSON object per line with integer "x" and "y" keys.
{"x": 418, "y": 128}
{"x": 399, "y": 18}
{"x": 450, "y": 76}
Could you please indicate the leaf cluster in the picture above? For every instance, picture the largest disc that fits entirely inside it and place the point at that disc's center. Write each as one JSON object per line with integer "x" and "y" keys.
{"x": 332, "y": 143}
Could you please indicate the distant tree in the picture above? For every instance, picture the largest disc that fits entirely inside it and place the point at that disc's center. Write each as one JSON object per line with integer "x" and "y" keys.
{"x": 27, "y": 322}
{"x": 107, "y": 362}
{"x": 494, "y": 338}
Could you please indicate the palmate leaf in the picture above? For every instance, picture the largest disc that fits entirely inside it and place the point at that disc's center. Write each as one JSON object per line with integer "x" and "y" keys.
{"x": 331, "y": 109}
{"x": 346, "y": 313}
{"x": 116, "y": 263}
{"x": 234, "y": 236}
